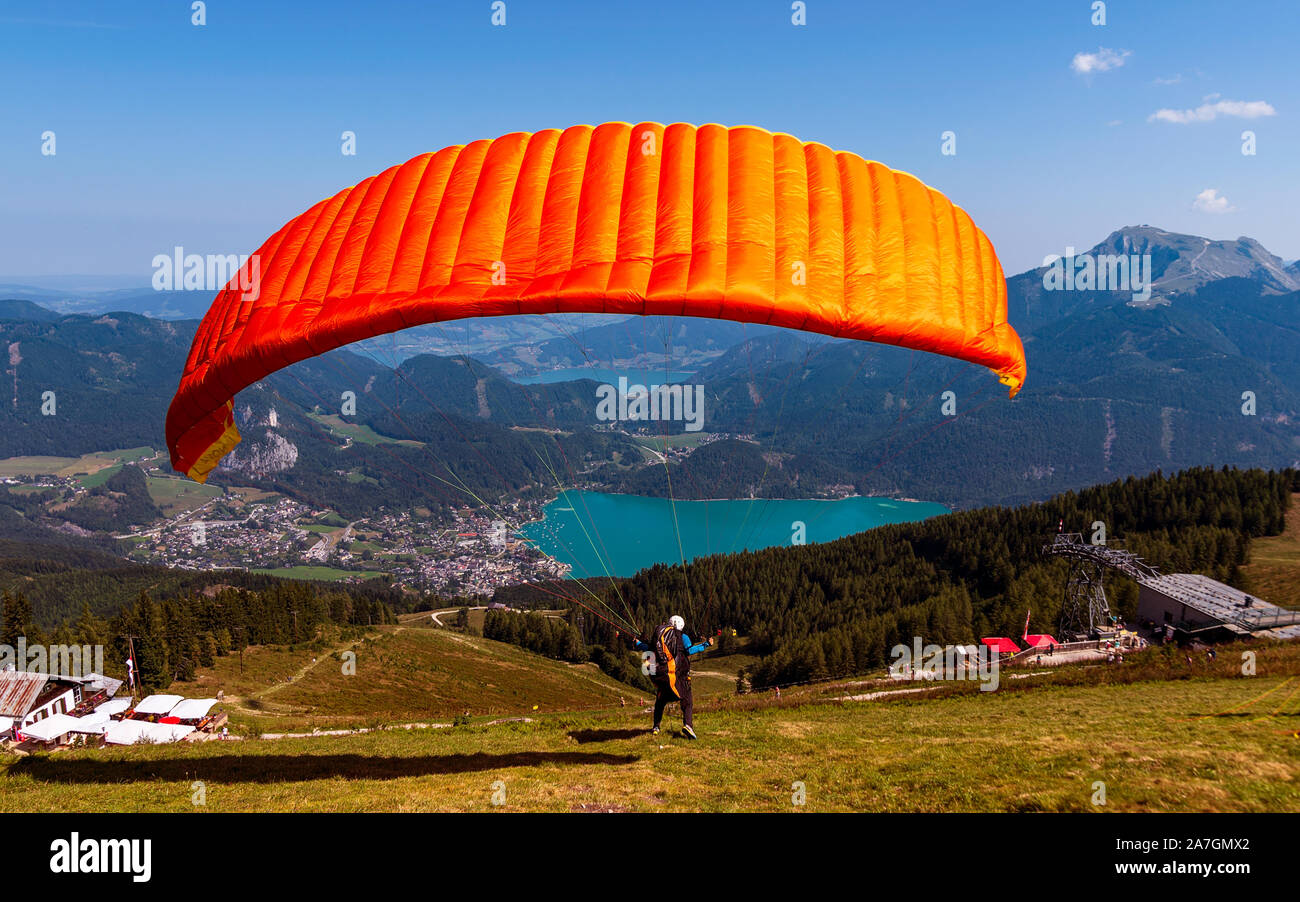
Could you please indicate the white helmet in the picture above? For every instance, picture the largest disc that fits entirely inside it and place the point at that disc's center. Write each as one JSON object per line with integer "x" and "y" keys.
{"x": 676, "y": 622}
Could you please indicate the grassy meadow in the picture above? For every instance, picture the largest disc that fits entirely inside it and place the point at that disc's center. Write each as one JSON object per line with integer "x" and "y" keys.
{"x": 1168, "y": 730}
{"x": 1274, "y": 569}
{"x": 402, "y": 674}
{"x": 91, "y": 469}
{"x": 1205, "y": 743}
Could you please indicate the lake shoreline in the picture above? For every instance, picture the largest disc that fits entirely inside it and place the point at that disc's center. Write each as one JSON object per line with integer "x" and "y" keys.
{"x": 612, "y": 533}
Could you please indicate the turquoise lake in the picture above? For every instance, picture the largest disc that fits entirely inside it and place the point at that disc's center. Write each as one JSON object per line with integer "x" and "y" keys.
{"x": 600, "y": 534}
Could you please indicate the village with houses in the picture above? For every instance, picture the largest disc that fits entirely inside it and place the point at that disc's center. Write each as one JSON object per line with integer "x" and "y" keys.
{"x": 460, "y": 552}
{"x": 469, "y": 553}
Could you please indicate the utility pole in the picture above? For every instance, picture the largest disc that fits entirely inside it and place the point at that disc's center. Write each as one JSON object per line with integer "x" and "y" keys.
{"x": 133, "y": 669}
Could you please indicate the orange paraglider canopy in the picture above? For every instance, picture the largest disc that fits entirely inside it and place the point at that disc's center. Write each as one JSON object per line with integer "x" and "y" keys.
{"x": 730, "y": 223}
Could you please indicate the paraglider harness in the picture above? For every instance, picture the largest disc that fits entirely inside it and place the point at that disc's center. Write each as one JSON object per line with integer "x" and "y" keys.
{"x": 665, "y": 656}
{"x": 669, "y": 645}
{"x": 669, "y": 657}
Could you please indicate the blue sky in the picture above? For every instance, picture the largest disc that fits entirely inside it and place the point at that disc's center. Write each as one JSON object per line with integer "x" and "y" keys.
{"x": 211, "y": 137}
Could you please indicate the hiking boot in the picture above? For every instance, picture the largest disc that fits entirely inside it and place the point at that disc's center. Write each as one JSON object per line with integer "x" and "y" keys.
{"x": 655, "y": 731}
{"x": 689, "y": 732}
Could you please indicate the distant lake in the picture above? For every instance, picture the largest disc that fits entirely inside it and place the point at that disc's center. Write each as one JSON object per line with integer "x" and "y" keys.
{"x": 632, "y": 532}
{"x": 644, "y": 376}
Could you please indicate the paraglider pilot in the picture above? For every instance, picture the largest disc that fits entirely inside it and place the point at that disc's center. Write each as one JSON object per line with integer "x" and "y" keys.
{"x": 671, "y": 673}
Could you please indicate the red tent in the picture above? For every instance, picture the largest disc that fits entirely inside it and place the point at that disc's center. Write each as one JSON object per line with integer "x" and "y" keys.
{"x": 1001, "y": 644}
{"x": 169, "y": 720}
{"x": 1036, "y": 641}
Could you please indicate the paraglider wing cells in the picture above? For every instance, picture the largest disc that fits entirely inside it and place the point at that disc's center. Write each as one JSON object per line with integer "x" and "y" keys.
{"x": 731, "y": 223}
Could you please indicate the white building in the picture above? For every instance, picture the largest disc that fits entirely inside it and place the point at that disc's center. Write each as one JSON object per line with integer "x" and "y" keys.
{"x": 28, "y": 698}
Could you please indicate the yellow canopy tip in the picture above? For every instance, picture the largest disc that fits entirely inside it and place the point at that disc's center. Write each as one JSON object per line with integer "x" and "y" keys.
{"x": 209, "y": 459}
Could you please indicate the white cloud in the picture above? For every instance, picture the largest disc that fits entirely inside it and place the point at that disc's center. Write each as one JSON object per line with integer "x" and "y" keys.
{"x": 1114, "y": 122}
{"x": 1101, "y": 61}
{"x": 1172, "y": 80}
{"x": 1208, "y": 112}
{"x": 1211, "y": 201}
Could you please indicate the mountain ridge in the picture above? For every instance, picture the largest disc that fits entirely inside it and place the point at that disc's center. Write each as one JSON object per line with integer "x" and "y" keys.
{"x": 1115, "y": 388}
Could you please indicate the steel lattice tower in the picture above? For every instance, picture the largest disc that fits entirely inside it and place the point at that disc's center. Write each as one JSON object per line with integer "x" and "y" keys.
{"x": 1084, "y": 609}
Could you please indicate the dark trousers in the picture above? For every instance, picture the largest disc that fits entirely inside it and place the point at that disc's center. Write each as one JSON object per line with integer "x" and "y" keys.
{"x": 664, "y": 694}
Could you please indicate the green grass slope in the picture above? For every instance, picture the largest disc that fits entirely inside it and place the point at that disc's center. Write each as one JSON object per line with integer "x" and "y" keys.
{"x": 402, "y": 674}
{"x": 1273, "y": 572}
{"x": 1206, "y": 740}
